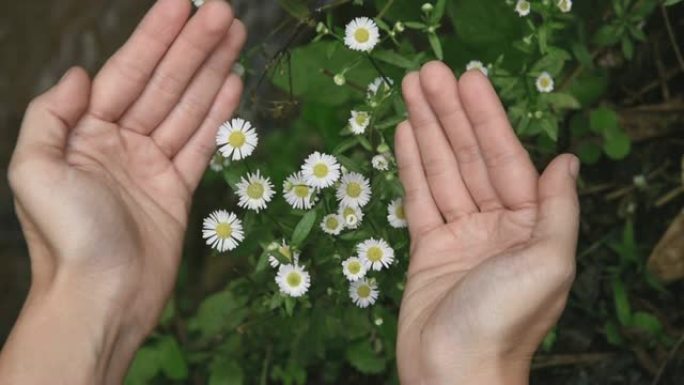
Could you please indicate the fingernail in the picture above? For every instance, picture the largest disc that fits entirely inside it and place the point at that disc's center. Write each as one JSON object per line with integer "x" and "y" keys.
{"x": 574, "y": 167}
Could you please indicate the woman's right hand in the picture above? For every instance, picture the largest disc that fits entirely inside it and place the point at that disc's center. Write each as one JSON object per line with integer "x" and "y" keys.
{"x": 492, "y": 242}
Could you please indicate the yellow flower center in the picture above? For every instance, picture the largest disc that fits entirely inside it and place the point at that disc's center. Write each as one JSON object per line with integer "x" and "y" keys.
{"x": 363, "y": 291}
{"x": 362, "y": 35}
{"x": 224, "y": 230}
{"x": 348, "y": 211}
{"x": 237, "y": 139}
{"x": 320, "y": 170}
{"x": 255, "y": 190}
{"x": 301, "y": 191}
{"x": 524, "y": 5}
{"x": 294, "y": 279}
{"x": 354, "y": 189}
{"x": 332, "y": 223}
{"x": 354, "y": 267}
{"x": 374, "y": 254}
{"x": 361, "y": 118}
{"x": 399, "y": 212}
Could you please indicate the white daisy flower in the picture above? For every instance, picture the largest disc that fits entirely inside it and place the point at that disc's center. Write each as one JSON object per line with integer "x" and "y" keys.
{"x": 396, "y": 214}
{"x": 352, "y": 216}
{"x": 374, "y": 86}
{"x": 297, "y": 193}
{"x": 321, "y": 170}
{"x": 361, "y": 34}
{"x": 332, "y": 224}
{"x": 359, "y": 121}
{"x": 354, "y": 190}
{"x": 522, "y": 8}
{"x": 236, "y": 139}
{"x": 198, "y": 3}
{"x": 293, "y": 280}
{"x": 222, "y": 230}
{"x": 477, "y": 65}
{"x": 544, "y": 82}
{"x": 380, "y": 162}
{"x": 353, "y": 269}
{"x": 375, "y": 253}
{"x": 565, "y": 5}
{"x": 254, "y": 191}
{"x": 363, "y": 292}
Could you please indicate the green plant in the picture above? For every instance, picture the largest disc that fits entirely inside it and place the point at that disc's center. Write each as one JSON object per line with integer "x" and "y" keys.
{"x": 543, "y": 64}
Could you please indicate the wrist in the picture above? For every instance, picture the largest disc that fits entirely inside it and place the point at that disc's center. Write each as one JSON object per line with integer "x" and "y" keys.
{"x": 67, "y": 327}
{"x": 476, "y": 368}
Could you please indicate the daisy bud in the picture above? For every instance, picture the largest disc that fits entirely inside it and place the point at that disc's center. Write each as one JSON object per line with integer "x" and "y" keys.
{"x": 382, "y": 148}
{"x": 321, "y": 29}
{"x": 238, "y": 69}
{"x": 339, "y": 79}
{"x": 538, "y": 114}
{"x": 427, "y": 7}
{"x": 399, "y": 26}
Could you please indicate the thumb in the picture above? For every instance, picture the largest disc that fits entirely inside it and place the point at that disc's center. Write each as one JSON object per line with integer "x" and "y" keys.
{"x": 558, "y": 218}
{"x": 50, "y": 116}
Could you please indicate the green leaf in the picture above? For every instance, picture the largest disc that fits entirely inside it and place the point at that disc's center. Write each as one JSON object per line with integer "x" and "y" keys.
{"x": 144, "y": 368}
{"x": 589, "y": 152}
{"x": 612, "y": 332}
{"x": 361, "y": 356}
{"x": 669, "y": 3}
{"x": 562, "y": 101}
{"x": 622, "y": 308}
{"x": 296, "y": 8}
{"x": 395, "y": 59}
{"x": 627, "y": 47}
{"x": 617, "y": 146}
{"x": 171, "y": 359}
{"x": 603, "y": 119}
{"x": 550, "y": 339}
{"x": 438, "y": 11}
{"x": 607, "y": 35}
{"x": 436, "y": 45}
{"x": 226, "y": 373}
{"x": 647, "y": 322}
{"x": 550, "y": 126}
{"x": 553, "y": 62}
{"x": 303, "y": 228}
{"x": 485, "y": 25}
{"x": 219, "y": 312}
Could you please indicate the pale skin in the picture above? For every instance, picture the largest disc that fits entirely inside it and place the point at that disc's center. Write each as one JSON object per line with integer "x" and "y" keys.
{"x": 104, "y": 172}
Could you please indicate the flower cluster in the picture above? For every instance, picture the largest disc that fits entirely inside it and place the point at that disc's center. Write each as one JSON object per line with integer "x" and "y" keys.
{"x": 319, "y": 179}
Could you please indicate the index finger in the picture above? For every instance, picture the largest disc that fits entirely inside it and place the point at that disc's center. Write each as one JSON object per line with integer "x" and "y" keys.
{"x": 125, "y": 74}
